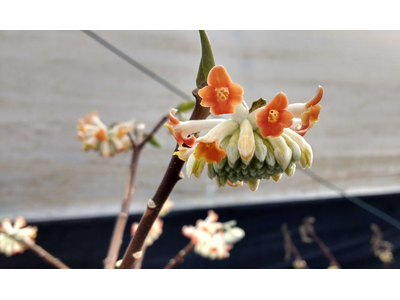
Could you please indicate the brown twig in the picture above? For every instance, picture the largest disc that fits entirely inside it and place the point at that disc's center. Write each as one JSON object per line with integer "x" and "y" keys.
{"x": 308, "y": 228}
{"x": 159, "y": 124}
{"x": 180, "y": 256}
{"x": 290, "y": 248}
{"x": 41, "y": 253}
{"x": 325, "y": 249}
{"x": 171, "y": 177}
{"x": 116, "y": 239}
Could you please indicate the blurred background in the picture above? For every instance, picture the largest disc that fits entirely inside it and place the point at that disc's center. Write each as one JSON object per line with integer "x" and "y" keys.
{"x": 50, "y": 79}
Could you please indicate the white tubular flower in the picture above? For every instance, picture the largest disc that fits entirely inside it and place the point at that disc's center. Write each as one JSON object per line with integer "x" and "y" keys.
{"x": 10, "y": 246}
{"x": 94, "y": 134}
{"x": 154, "y": 233}
{"x": 212, "y": 239}
{"x": 260, "y": 142}
{"x": 306, "y": 114}
{"x": 246, "y": 143}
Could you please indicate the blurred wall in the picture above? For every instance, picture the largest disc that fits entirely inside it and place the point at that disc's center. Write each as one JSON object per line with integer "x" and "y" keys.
{"x": 50, "y": 79}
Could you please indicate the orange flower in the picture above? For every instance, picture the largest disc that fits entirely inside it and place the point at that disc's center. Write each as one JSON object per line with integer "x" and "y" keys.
{"x": 221, "y": 95}
{"x": 274, "y": 117}
{"x": 211, "y": 152}
{"x": 306, "y": 114}
{"x": 178, "y": 134}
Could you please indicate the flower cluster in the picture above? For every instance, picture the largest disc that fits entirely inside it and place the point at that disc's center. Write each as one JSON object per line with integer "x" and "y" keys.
{"x": 157, "y": 228}
{"x": 212, "y": 239}
{"x": 94, "y": 134}
{"x": 260, "y": 142}
{"x": 10, "y": 246}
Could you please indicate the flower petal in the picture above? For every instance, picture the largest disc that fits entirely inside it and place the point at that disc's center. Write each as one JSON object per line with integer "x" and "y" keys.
{"x": 211, "y": 152}
{"x": 235, "y": 89}
{"x": 285, "y": 118}
{"x": 235, "y": 100}
{"x": 222, "y": 108}
{"x": 273, "y": 130}
{"x": 315, "y": 110}
{"x": 209, "y": 96}
{"x": 218, "y": 77}
{"x": 316, "y": 98}
{"x": 280, "y": 102}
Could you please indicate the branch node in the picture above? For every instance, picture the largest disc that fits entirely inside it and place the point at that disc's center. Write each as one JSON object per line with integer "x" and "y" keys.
{"x": 137, "y": 255}
{"x": 151, "y": 204}
{"x": 118, "y": 263}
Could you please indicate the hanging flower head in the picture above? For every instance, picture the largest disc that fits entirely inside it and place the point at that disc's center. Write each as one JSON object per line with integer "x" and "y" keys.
{"x": 94, "y": 134}
{"x": 212, "y": 239}
{"x": 260, "y": 142}
{"x": 10, "y": 246}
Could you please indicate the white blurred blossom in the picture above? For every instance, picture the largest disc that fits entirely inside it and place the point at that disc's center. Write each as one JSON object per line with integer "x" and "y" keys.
{"x": 95, "y": 135}
{"x": 10, "y": 246}
{"x": 213, "y": 239}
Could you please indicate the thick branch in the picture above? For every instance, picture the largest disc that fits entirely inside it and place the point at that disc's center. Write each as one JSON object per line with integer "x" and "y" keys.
{"x": 171, "y": 177}
{"x": 180, "y": 256}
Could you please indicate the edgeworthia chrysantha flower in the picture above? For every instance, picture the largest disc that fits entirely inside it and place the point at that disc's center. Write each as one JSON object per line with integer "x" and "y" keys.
{"x": 94, "y": 134}
{"x": 10, "y": 246}
{"x": 213, "y": 239}
{"x": 260, "y": 142}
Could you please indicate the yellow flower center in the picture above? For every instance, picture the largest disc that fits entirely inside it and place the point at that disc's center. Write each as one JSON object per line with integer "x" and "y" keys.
{"x": 223, "y": 94}
{"x": 273, "y": 116}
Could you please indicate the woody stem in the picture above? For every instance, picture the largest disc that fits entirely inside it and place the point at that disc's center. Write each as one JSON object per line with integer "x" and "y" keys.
{"x": 138, "y": 263}
{"x": 171, "y": 177}
{"x": 292, "y": 247}
{"x": 324, "y": 248}
{"x": 180, "y": 256}
{"x": 41, "y": 253}
{"x": 120, "y": 224}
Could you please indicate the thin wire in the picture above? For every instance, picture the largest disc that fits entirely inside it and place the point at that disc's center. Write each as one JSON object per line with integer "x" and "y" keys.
{"x": 357, "y": 201}
{"x": 137, "y": 65}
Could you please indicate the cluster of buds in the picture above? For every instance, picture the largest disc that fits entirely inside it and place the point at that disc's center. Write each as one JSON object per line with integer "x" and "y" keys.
{"x": 157, "y": 228}
{"x": 95, "y": 135}
{"x": 260, "y": 142}
{"x": 213, "y": 239}
{"x": 11, "y": 235}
